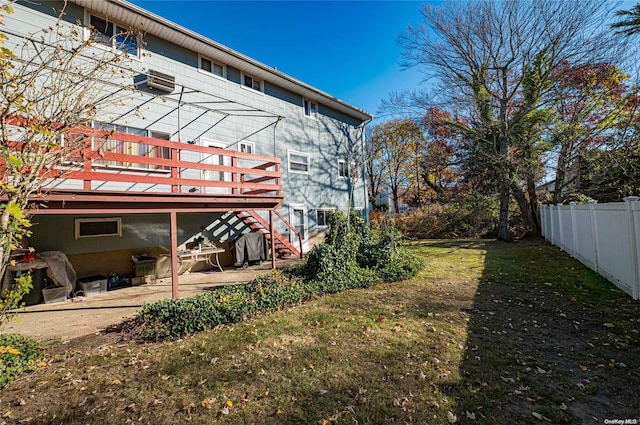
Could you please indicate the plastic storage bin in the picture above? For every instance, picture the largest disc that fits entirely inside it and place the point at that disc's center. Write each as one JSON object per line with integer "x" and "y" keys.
{"x": 116, "y": 281}
{"x": 92, "y": 285}
{"x": 54, "y": 295}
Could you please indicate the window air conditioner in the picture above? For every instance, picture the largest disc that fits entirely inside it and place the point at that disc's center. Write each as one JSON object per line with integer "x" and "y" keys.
{"x": 159, "y": 81}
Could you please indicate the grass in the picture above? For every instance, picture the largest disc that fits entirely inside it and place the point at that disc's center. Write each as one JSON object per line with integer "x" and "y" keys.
{"x": 490, "y": 333}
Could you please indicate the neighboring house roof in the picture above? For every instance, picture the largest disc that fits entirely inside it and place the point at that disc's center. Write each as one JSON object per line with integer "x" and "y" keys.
{"x": 120, "y": 10}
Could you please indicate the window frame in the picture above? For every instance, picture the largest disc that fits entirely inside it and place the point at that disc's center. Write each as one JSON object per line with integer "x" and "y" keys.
{"x": 128, "y": 148}
{"x": 344, "y": 170}
{"x": 308, "y": 164}
{"x": 252, "y": 145}
{"x": 327, "y": 213}
{"x": 222, "y": 76}
{"x": 79, "y": 221}
{"x": 309, "y": 111}
{"x": 113, "y": 43}
{"x": 243, "y": 77}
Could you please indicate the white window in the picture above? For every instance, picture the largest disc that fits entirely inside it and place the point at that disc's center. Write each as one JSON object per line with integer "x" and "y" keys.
{"x": 95, "y": 227}
{"x": 131, "y": 148}
{"x": 251, "y": 82}
{"x": 343, "y": 168}
{"x": 113, "y": 35}
{"x": 211, "y": 66}
{"x": 322, "y": 216}
{"x": 246, "y": 147}
{"x": 298, "y": 162}
{"x": 310, "y": 108}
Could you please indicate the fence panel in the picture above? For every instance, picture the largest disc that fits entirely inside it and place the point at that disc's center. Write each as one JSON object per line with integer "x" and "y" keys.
{"x": 614, "y": 244}
{"x": 604, "y": 237}
{"x": 585, "y": 243}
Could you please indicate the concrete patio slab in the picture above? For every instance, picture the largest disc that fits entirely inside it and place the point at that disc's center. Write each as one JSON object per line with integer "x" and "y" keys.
{"x": 71, "y": 319}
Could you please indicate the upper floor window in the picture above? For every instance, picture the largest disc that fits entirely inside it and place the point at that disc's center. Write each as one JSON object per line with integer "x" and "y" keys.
{"x": 113, "y": 35}
{"x": 251, "y": 82}
{"x": 246, "y": 147}
{"x": 343, "y": 168}
{"x": 310, "y": 108}
{"x": 298, "y": 162}
{"x": 210, "y": 66}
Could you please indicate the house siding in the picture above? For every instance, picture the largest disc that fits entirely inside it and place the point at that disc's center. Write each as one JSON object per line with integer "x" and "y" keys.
{"x": 325, "y": 139}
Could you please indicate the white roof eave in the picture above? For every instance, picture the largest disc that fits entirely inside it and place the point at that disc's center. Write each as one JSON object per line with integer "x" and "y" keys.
{"x": 137, "y": 17}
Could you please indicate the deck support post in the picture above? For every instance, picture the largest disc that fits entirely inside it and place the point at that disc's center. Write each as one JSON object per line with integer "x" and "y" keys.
{"x": 174, "y": 254}
{"x": 273, "y": 240}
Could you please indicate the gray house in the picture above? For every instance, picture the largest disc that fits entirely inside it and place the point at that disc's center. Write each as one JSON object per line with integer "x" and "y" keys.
{"x": 209, "y": 143}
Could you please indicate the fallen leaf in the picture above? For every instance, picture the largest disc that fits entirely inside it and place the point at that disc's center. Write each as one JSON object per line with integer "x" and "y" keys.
{"x": 452, "y": 418}
{"x": 207, "y": 402}
{"x": 471, "y": 416}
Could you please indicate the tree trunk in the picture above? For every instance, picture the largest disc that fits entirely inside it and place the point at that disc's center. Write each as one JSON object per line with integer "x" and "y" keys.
{"x": 505, "y": 166}
{"x": 523, "y": 205}
{"x": 561, "y": 171}
{"x": 534, "y": 205}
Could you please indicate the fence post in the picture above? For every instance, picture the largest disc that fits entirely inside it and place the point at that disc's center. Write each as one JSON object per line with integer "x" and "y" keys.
{"x": 630, "y": 201}
{"x": 551, "y": 224}
{"x": 560, "y": 238}
{"x": 594, "y": 233}
{"x": 574, "y": 226}
{"x": 544, "y": 213}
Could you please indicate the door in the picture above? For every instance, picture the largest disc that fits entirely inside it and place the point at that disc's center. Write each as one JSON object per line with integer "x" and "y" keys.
{"x": 298, "y": 219}
{"x": 215, "y": 159}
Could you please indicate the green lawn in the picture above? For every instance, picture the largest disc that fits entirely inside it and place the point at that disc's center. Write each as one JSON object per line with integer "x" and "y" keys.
{"x": 488, "y": 333}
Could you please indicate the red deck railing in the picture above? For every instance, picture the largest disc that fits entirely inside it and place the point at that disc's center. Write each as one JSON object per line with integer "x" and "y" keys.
{"x": 130, "y": 163}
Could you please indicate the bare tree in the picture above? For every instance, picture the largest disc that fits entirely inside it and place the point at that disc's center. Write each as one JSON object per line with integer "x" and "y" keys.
{"x": 495, "y": 60}
{"x": 52, "y": 83}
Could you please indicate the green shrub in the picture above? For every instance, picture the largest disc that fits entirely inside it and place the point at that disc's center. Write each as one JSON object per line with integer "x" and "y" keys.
{"x": 230, "y": 304}
{"x": 18, "y": 355}
{"x": 389, "y": 258}
{"x": 351, "y": 257}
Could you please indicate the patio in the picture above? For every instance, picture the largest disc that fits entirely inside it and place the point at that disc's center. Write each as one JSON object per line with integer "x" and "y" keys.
{"x": 71, "y": 319}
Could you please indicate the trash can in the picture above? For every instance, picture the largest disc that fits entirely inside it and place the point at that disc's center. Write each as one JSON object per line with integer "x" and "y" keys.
{"x": 144, "y": 266}
{"x": 39, "y": 281}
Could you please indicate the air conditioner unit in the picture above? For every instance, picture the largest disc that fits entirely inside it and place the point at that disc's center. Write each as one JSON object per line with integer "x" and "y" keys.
{"x": 159, "y": 81}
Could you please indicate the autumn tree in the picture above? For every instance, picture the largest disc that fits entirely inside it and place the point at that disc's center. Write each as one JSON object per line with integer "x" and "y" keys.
{"x": 588, "y": 103}
{"x": 494, "y": 62}
{"x": 52, "y": 82}
{"x": 398, "y": 140}
{"x": 440, "y": 170}
{"x": 375, "y": 167}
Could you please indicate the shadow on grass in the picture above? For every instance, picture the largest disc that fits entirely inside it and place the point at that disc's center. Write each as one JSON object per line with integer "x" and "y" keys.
{"x": 548, "y": 341}
{"x": 493, "y": 333}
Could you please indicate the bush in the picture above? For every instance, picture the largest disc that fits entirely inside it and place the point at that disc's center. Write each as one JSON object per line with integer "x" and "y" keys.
{"x": 389, "y": 258}
{"x": 230, "y": 304}
{"x": 18, "y": 355}
{"x": 470, "y": 216}
{"x": 351, "y": 257}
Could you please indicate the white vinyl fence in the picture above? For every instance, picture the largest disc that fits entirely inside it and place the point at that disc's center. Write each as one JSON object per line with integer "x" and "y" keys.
{"x": 604, "y": 237}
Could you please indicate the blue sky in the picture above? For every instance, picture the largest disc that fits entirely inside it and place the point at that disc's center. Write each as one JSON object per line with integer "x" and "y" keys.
{"x": 348, "y": 49}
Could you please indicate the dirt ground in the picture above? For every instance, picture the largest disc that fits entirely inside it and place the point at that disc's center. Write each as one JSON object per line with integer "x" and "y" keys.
{"x": 72, "y": 319}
